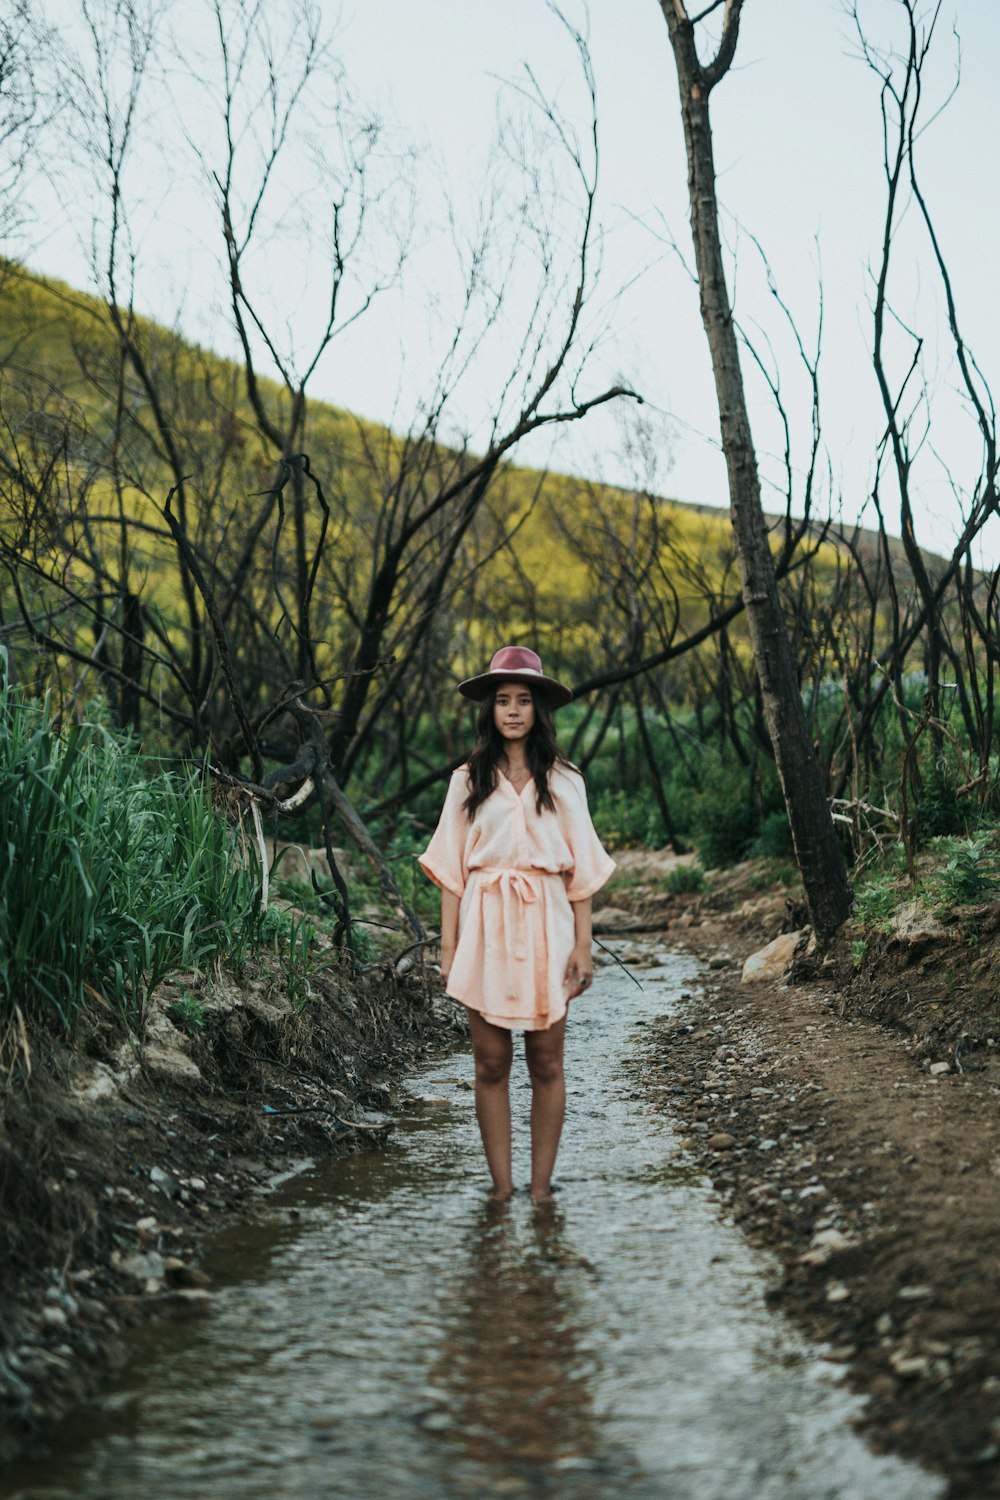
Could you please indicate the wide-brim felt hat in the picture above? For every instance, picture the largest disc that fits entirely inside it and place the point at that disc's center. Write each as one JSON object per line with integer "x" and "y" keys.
{"x": 516, "y": 664}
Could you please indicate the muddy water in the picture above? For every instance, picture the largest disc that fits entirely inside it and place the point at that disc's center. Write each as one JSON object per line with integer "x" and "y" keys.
{"x": 383, "y": 1333}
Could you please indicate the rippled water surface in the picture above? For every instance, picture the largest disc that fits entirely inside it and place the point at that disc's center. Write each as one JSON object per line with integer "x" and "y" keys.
{"x": 383, "y": 1333}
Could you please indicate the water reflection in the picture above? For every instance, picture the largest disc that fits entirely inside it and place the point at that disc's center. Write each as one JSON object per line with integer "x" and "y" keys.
{"x": 511, "y": 1367}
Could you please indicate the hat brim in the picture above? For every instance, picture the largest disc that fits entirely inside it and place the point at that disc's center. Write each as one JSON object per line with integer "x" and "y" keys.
{"x": 556, "y": 694}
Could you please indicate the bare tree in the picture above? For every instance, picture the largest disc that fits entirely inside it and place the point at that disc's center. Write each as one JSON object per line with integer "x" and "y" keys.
{"x": 817, "y": 850}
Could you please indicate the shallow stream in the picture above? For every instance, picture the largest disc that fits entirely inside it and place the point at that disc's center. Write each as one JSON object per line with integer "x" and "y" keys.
{"x": 381, "y": 1332}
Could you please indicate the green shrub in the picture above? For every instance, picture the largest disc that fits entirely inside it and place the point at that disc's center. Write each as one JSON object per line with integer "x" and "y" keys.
{"x": 970, "y": 875}
{"x": 623, "y": 818}
{"x": 938, "y": 811}
{"x": 725, "y": 818}
{"x": 187, "y": 1012}
{"x": 874, "y": 905}
{"x": 774, "y": 841}
{"x": 111, "y": 877}
{"x": 683, "y": 879}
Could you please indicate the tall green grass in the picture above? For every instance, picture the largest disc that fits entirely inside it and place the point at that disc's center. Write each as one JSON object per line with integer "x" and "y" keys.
{"x": 110, "y": 876}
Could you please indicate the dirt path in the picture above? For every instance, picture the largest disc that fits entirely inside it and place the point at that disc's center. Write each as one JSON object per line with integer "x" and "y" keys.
{"x": 876, "y": 1183}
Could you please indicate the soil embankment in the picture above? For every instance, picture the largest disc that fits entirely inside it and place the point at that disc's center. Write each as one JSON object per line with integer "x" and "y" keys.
{"x": 850, "y": 1119}
{"x": 117, "y": 1161}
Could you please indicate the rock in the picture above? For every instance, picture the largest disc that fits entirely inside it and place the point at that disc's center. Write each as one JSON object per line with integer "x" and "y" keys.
{"x": 913, "y": 923}
{"x": 100, "y": 1083}
{"x": 719, "y": 961}
{"x": 842, "y": 1354}
{"x": 837, "y": 1292}
{"x": 612, "y": 919}
{"x": 166, "y": 1055}
{"x": 814, "y": 1190}
{"x": 186, "y": 1303}
{"x": 179, "y": 1274}
{"x": 143, "y": 1265}
{"x": 722, "y": 1141}
{"x": 914, "y": 1293}
{"x": 54, "y": 1317}
{"x": 823, "y": 1246}
{"x": 146, "y": 1229}
{"x": 769, "y": 963}
{"x": 164, "y": 1182}
{"x": 198, "y": 1184}
{"x": 938, "y": 1069}
{"x": 882, "y": 1387}
{"x": 909, "y": 1366}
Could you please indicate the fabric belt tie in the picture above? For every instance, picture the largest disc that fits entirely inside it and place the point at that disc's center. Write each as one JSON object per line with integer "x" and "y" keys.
{"x": 516, "y": 890}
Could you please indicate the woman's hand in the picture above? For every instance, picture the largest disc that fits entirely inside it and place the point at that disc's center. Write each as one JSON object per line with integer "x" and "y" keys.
{"x": 447, "y": 959}
{"x": 579, "y": 974}
{"x": 449, "y": 932}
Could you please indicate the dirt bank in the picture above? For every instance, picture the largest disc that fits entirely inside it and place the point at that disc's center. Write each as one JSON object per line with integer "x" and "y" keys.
{"x": 117, "y": 1163}
{"x": 850, "y": 1117}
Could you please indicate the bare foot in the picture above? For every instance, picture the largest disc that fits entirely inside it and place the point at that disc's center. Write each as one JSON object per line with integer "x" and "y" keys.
{"x": 500, "y": 1195}
{"x": 544, "y": 1195}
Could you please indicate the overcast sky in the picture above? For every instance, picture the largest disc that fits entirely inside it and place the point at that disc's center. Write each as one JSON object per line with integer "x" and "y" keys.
{"x": 798, "y": 151}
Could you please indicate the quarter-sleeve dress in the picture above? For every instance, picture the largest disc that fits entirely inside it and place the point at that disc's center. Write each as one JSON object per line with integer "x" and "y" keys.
{"x": 515, "y": 871}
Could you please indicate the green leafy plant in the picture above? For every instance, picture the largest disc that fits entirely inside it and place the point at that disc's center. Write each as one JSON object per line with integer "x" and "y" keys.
{"x": 970, "y": 874}
{"x": 684, "y": 879}
{"x": 774, "y": 840}
{"x": 725, "y": 815}
{"x": 858, "y": 950}
{"x": 874, "y": 905}
{"x": 187, "y": 1012}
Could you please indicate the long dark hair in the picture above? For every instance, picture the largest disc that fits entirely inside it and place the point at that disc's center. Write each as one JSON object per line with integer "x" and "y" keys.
{"x": 541, "y": 752}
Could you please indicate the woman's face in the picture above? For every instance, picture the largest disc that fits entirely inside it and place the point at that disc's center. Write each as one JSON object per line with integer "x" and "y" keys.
{"x": 513, "y": 711}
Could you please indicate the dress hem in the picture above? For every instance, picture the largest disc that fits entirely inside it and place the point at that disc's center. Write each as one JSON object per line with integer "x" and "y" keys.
{"x": 510, "y": 1023}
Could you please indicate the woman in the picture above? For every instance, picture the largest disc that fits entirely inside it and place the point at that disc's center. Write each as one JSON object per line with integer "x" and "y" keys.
{"x": 517, "y": 860}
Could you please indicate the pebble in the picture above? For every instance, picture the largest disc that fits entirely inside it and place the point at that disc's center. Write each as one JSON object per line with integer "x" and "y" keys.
{"x": 722, "y": 1141}
{"x": 938, "y": 1069}
{"x": 164, "y": 1181}
{"x": 837, "y": 1292}
{"x": 827, "y": 1243}
{"x": 144, "y": 1266}
{"x": 914, "y": 1293}
{"x": 178, "y": 1273}
{"x": 909, "y": 1366}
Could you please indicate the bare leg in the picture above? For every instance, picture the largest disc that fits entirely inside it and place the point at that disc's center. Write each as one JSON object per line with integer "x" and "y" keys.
{"x": 543, "y": 1051}
{"x": 493, "y": 1050}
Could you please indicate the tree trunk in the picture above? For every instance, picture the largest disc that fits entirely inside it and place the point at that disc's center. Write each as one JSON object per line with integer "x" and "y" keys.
{"x": 818, "y": 853}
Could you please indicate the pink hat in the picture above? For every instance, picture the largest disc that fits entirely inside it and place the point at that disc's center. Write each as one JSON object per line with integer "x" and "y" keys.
{"x": 516, "y": 664}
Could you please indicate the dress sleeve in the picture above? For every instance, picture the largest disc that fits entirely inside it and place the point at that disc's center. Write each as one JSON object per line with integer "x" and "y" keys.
{"x": 444, "y": 858}
{"x": 592, "y": 864}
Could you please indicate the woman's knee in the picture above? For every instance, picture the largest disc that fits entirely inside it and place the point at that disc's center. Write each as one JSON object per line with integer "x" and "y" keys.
{"x": 545, "y": 1064}
{"x": 492, "y": 1065}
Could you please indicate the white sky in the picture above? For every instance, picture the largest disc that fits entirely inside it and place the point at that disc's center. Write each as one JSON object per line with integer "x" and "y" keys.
{"x": 798, "y": 151}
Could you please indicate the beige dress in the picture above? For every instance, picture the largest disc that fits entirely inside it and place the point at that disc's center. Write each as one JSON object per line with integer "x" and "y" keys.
{"x": 516, "y": 871}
